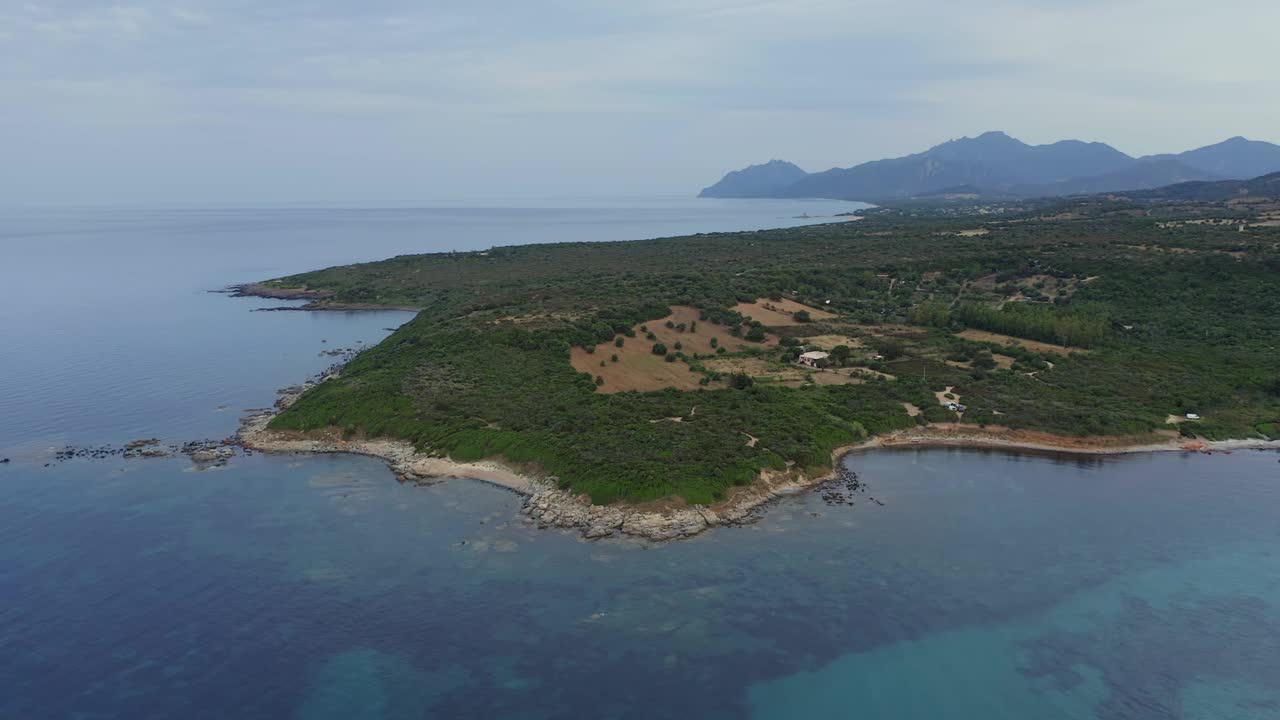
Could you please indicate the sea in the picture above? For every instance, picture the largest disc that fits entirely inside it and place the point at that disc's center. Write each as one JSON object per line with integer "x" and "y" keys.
{"x": 962, "y": 584}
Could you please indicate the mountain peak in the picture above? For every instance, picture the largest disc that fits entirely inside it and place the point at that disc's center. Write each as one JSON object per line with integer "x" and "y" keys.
{"x": 1236, "y": 158}
{"x": 762, "y": 180}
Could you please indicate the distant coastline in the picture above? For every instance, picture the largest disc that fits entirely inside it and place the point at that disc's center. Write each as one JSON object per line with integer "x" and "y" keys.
{"x": 317, "y": 300}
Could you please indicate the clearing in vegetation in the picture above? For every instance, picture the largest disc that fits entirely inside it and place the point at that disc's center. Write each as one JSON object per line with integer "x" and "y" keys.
{"x": 1010, "y": 341}
{"x": 779, "y": 313}
{"x": 829, "y": 342}
{"x": 639, "y": 368}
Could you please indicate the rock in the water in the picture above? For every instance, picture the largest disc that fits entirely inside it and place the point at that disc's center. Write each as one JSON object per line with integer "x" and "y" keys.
{"x": 213, "y": 455}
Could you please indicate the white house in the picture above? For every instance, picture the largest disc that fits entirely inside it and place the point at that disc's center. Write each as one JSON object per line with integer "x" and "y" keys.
{"x": 812, "y": 357}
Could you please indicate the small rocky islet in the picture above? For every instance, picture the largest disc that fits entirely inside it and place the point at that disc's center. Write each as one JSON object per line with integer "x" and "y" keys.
{"x": 208, "y": 452}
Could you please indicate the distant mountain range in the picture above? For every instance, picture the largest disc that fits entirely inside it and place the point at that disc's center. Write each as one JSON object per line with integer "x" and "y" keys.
{"x": 994, "y": 164}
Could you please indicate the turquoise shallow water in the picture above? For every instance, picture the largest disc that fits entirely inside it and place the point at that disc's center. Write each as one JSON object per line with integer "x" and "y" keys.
{"x": 985, "y": 585}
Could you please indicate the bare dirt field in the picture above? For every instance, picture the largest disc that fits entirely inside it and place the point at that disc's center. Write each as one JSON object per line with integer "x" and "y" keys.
{"x": 826, "y": 342}
{"x": 973, "y": 232}
{"x": 890, "y": 330}
{"x": 837, "y": 377}
{"x": 759, "y": 368}
{"x": 634, "y": 370}
{"x": 767, "y": 371}
{"x": 1033, "y": 345}
{"x": 638, "y": 368}
{"x": 778, "y": 312}
{"x": 946, "y": 396}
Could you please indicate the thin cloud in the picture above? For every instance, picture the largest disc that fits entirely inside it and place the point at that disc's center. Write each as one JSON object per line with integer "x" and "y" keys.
{"x": 668, "y": 93}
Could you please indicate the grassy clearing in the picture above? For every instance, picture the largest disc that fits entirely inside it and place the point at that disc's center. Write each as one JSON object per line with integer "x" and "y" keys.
{"x": 1010, "y": 341}
{"x": 780, "y": 312}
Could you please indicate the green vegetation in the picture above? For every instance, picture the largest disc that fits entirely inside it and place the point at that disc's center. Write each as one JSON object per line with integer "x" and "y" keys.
{"x": 1176, "y": 317}
{"x": 1080, "y": 326}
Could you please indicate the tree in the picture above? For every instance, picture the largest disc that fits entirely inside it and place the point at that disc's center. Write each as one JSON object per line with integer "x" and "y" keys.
{"x": 614, "y": 357}
{"x": 890, "y": 348}
{"x": 755, "y": 334}
{"x": 741, "y": 381}
{"x": 801, "y": 316}
{"x": 590, "y": 349}
{"x": 599, "y": 381}
{"x": 931, "y": 313}
{"x": 659, "y": 349}
{"x": 715, "y": 342}
{"x": 841, "y": 352}
{"x": 679, "y": 345}
{"x": 618, "y": 342}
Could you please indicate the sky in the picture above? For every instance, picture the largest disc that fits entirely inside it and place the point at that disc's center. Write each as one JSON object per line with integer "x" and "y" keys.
{"x": 395, "y": 102}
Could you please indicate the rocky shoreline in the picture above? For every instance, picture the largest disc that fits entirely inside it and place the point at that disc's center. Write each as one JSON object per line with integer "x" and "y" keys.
{"x": 317, "y": 300}
{"x": 999, "y": 438}
{"x": 551, "y": 507}
{"x": 545, "y": 504}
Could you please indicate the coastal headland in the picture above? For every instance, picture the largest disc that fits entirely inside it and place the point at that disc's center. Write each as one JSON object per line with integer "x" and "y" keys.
{"x": 657, "y": 388}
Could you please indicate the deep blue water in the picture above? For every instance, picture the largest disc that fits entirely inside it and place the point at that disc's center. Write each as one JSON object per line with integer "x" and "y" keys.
{"x": 108, "y": 331}
{"x": 987, "y": 586}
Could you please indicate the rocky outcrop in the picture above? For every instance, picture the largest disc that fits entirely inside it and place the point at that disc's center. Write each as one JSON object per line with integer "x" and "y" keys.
{"x": 276, "y": 293}
{"x": 212, "y": 455}
{"x": 557, "y": 508}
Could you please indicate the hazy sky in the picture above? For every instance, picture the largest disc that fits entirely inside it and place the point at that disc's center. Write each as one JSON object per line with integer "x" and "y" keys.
{"x": 372, "y": 101}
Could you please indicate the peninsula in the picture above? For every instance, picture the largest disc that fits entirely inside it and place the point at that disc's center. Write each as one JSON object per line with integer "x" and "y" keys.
{"x": 659, "y": 387}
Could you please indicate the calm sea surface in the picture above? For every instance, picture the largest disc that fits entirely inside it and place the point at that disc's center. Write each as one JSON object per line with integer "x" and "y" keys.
{"x": 979, "y": 586}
